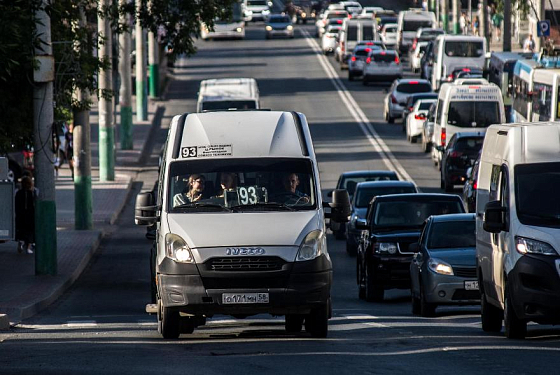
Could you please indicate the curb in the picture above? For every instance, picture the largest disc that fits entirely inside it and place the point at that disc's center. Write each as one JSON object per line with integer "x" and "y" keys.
{"x": 4, "y": 322}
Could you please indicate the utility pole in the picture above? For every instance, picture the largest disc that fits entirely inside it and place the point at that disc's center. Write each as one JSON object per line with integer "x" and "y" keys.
{"x": 106, "y": 128}
{"x": 125, "y": 94}
{"x": 484, "y": 22}
{"x": 506, "y": 30}
{"x": 83, "y": 205}
{"x": 153, "y": 61}
{"x": 141, "y": 87}
{"x": 456, "y": 14}
{"x": 539, "y": 41}
{"x": 43, "y": 117}
{"x": 445, "y": 15}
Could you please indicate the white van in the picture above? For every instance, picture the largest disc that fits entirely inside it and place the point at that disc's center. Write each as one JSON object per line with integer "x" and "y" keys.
{"x": 456, "y": 51}
{"x": 354, "y": 30}
{"x": 518, "y": 227}
{"x": 470, "y": 104}
{"x": 241, "y": 222}
{"x": 228, "y": 93}
{"x": 408, "y": 24}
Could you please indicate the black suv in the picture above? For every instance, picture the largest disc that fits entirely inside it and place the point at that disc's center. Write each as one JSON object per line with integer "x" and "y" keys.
{"x": 460, "y": 154}
{"x": 393, "y": 223}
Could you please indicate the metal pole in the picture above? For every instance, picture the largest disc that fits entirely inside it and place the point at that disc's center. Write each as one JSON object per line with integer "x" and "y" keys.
{"x": 153, "y": 62}
{"x": 141, "y": 87}
{"x": 456, "y": 14}
{"x": 83, "y": 205}
{"x": 484, "y": 22}
{"x": 470, "y": 18}
{"x": 126, "y": 83}
{"x": 106, "y": 128}
{"x": 445, "y": 15}
{"x": 506, "y": 30}
{"x": 43, "y": 117}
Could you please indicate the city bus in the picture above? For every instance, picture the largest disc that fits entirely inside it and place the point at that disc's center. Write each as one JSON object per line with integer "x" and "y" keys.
{"x": 522, "y": 90}
{"x": 544, "y": 104}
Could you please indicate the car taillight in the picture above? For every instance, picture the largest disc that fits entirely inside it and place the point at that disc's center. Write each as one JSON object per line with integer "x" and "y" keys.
{"x": 419, "y": 117}
{"x": 414, "y": 44}
{"x": 397, "y": 61}
{"x": 455, "y": 154}
{"x": 353, "y": 58}
{"x": 410, "y": 109}
{"x": 450, "y": 77}
{"x": 443, "y": 137}
{"x": 393, "y": 99}
{"x": 368, "y": 60}
{"x": 475, "y": 185}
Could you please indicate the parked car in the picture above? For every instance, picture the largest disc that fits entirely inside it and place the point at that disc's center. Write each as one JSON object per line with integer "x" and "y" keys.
{"x": 349, "y": 180}
{"x": 383, "y": 66}
{"x": 279, "y": 25}
{"x": 415, "y": 120}
{"x": 460, "y": 154}
{"x": 364, "y": 193}
{"x": 443, "y": 268}
{"x": 428, "y": 129}
{"x": 471, "y": 185}
{"x": 398, "y": 93}
{"x": 392, "y": 224}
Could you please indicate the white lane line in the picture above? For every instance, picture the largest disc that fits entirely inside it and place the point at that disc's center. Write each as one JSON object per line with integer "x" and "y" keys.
{"x": 378, "y": 144}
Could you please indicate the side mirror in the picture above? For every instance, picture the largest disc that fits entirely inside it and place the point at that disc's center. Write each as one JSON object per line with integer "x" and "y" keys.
{"x": 414, "y": 247}
{"x": 361, "y": 224}
{"x": 494, "y": 221}
{"x": 340, "y": 206}
{"x": 329, "y": 194}
{"x": 145, "y": 210}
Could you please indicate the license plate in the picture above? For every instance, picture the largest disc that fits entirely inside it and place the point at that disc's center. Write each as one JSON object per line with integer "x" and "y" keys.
{"x": 471, "y": 285}
{"x": 244, "y": 298}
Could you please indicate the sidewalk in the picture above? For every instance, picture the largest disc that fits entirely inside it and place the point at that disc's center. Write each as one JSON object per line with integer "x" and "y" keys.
{"x": 22, "y": 293}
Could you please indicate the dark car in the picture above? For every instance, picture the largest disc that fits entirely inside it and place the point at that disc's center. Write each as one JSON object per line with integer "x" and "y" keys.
{"x": 469, "y": 190}
{"x": 427, "y": 61}
{"x": 364, "y": 193}
{"x": 459, "y": 155}
{"x": 443, "y": 271}
{"x": 412, "y": 99}
{"x": 393, "y": 223}
{"x": 465, "y": 72}
{"x": 348, "y": 181}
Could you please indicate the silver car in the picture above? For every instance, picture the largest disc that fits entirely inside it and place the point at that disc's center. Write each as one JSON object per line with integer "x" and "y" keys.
{"x": 279, "y": 25}
{"x": 398, "y": 94}
{"x": 382, "y": 66}
{"x": 443, "y": 270}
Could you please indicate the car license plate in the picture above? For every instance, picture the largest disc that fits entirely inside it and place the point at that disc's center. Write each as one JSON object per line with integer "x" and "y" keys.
{"x": 471, "y": 285}
{"x": 244, "y": 298}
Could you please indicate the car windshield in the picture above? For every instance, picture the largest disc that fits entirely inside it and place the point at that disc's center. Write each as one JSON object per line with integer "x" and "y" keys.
{"x": 536, "y": 197}
{"x": 451, "y": 235}
{"x": 424, "y": 106}
{"x": 469, "y": 144}
{"x": 349, "y": 183}
{"x": 471, "y": 114}
{"x": 414, "y": 25}
{"x": 408, "y": 213}
{"x": 279, "y": 20}
{"x": 413, "y": 88}
{"x": 215, "y": 105}
{"x": 269, "y": 184}
{"x": 365, "y": 195}
{"x": 463, "y": 49}
{"x": 256, "y": 2}
{"x": 386, "y": 57}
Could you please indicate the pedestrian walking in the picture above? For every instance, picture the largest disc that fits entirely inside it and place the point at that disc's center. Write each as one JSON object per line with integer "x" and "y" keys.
{"x": 69, "y": 151}
{"x": 497, "y": 19}
{"x": 476, "y": 26}
{"x": 463, "y": 23}
{"x": 529, "y": 44}
{"x": 25, "y": 215}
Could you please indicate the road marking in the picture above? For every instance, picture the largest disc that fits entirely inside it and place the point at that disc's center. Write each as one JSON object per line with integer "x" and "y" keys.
{"x": 378, "y": 144}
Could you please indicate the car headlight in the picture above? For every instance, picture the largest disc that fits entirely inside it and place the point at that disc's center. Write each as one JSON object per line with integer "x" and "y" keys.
{"x": 266, "y": 11}
{"x": 313, "y": 245}
{"x": 385, "y": 248}
{"x": 528, "y": 245}
{"x": 290, "y": 27}
{"x": 439, "y": 266}
{"x": 177, "y": 249}
{"x": 268, "y": 28}
{"x": 239, "y": 29}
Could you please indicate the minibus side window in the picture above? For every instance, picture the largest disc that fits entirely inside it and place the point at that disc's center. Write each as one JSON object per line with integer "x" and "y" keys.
{"x": 439, "y": 111}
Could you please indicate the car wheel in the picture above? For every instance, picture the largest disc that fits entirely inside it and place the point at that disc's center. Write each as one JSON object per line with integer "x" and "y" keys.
{"x": 490, "y": 315}
{"x": 390, "y": 119}
{"x": 374, "y": 291}
{"x": 447, "y": 186}
{"x": 168, "y": 322}
{"x": 413, "y": 139}
{"x": 317, "y": 322}
{"x": 514, "y": 327}
{"x": 293, "y": 323}
{"x": 187, "y": 324}
{"x": 339, "y": 235}
{"x": 427, "y": 309}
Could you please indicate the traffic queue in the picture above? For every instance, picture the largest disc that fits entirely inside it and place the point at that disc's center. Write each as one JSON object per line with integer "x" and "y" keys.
{"x": 497, "y": 247}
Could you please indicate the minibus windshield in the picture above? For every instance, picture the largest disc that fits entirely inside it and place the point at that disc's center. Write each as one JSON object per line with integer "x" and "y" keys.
{"x": 249, "y": 184}
{"x": 471, "y": 114}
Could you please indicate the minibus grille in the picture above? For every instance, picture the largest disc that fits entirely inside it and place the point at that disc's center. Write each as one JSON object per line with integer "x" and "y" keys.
{"x": 245, "y": 264}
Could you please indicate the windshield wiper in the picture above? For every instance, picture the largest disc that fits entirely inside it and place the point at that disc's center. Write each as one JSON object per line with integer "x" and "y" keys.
{"x": 281, "y": 206}
{"x": 202, "y": 205}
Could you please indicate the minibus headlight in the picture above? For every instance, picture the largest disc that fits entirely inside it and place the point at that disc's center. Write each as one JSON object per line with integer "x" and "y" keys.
{"x": 439, "y": 266}
{"x": 527, "y": 245}
{"x": 313, "y": 245}
{"x": 269, "y": 28}
{"x": 177, "y": 249}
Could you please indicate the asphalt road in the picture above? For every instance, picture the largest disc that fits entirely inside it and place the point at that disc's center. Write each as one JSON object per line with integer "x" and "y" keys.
{"x": 99, "y": 326}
